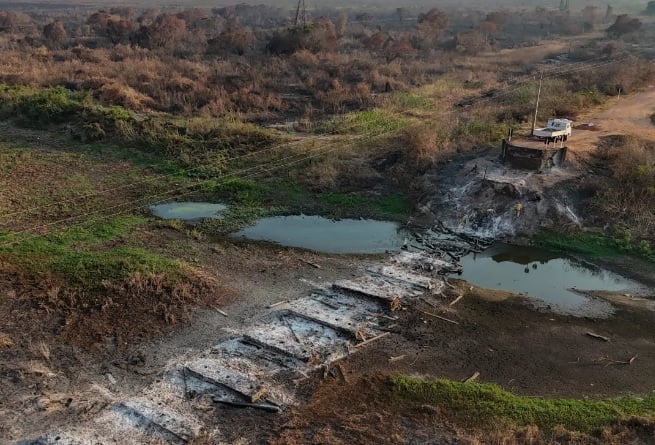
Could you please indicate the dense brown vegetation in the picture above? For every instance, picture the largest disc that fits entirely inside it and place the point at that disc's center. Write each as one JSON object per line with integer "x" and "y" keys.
{"x": 627, "y": 198}
{"x": 255, "y": 60}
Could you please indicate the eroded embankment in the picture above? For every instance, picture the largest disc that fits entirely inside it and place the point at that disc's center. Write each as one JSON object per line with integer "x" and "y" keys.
{"x": 481, "y": 196}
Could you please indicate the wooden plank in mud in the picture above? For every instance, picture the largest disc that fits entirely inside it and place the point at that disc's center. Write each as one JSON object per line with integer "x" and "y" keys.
{"x": 378, "y": 287}
{"x": 346, "y": 313}
{"x": 159, "y": 420}
{"x": 244, "y": 381}
{"x": 307, "y": 340}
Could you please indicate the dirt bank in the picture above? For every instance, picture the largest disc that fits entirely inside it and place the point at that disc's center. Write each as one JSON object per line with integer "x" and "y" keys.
{"x": 477, "y": 193}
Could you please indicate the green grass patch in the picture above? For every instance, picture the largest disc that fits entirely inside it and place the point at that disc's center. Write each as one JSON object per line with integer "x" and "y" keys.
{"x": 250, "y": 200}
{"x": 84, "y": 255}
{"x": 373, "y": 122}
{"x": 405, "y": 101}
{"x": 594, "y": 244}
{"x": 202, "y": 143}
{"x": 444, "y": 87}
{"x": 392, "y": 205}
{"x": 479, "y": 131}
{"x": 242, "y": 192}
{"x": 117, "y": 263}
{"x": 488, "y": 406}
{"x": 343, "y": 200}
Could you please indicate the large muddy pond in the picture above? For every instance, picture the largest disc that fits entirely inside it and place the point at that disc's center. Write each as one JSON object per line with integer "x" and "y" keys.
{"x": 188, "y": 210}
{"x": 548, "y": 277}
{"x": 325, "y": 235}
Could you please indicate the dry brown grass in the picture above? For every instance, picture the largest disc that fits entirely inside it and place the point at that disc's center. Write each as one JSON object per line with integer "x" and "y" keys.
{"x": 5, "y": 341}
{"x": 630, "y": 195}
{"x": 633, "y": 431}
{"x": 41, "y": 349}
{"x": 125, "y": 96}
{"x": 424, "y": 143}
{"x": 140, "y": 306}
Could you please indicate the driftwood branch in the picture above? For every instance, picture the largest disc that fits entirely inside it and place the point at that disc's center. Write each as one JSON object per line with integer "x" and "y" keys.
{"x": 474, "y": 377}
{"x": 439, "y": 317}
{"x": 456, "y": 300}
{"x": 447, "y": 283}
{"x": 370, "y": 340}
{"x": 223, "y": 313}
{"x": 314, "y": 265}
{"x": 293, "y": 332}
{"x": 265, "y": 407}
{"x": 621, "y": 362}
{"x": 598, "y": 336}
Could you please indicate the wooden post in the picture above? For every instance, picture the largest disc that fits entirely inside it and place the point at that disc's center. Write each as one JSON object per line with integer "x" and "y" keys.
{"x": 536, "y": 106}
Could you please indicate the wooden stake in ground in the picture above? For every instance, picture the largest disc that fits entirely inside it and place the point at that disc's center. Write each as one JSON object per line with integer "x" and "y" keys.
{"x": 279, "y": 303}
{"x": 360, "y": 334}
{"x": 397, "y": 358}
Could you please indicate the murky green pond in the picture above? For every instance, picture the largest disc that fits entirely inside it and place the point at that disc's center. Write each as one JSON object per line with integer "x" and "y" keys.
{"x": 188, "y": 210}
{"x": 546, "y": 276}
{"x": 325, "y": 235}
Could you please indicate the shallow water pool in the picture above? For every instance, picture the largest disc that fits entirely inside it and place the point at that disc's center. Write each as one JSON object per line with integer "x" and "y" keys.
{"x": 325, "y": 235}
{"x": 545, "y": 276}
{"x": 188, "y": 210}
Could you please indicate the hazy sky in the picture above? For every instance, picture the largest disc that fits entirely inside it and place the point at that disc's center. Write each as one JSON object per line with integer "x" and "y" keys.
{"x": 628, "y": 5}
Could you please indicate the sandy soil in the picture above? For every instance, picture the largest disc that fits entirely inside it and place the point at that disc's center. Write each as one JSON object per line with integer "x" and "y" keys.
{"x": 625, "y": 115}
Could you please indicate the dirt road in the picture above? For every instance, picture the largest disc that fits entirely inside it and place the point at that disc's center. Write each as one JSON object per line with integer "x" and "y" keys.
{"x": 625, "y": 115}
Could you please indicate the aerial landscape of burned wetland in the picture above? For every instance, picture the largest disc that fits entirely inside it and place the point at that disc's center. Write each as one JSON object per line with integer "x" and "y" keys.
{"x": 295, "y": 222}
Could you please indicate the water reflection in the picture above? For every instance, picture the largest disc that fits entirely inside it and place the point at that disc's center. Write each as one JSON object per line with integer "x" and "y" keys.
{"x": 326, "y": 235}
{"x": 544, "y": 275}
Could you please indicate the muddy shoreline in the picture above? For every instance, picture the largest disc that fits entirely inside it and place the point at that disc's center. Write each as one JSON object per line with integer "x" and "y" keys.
{"x": 531, "y": 352}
